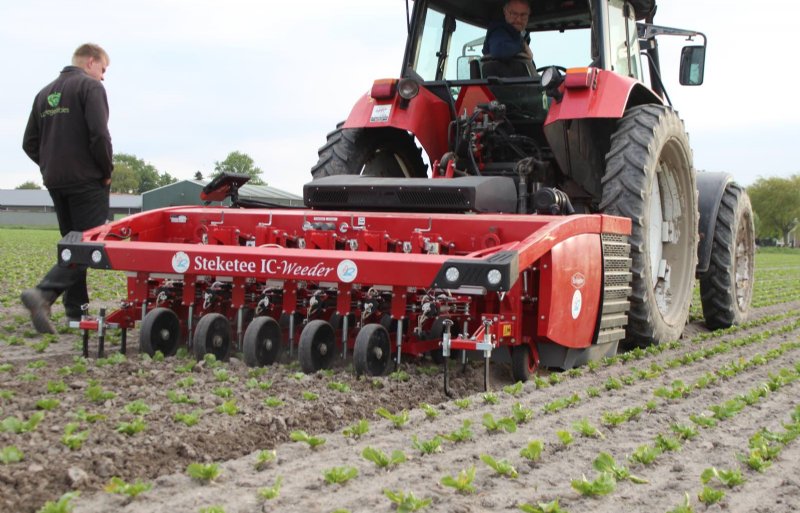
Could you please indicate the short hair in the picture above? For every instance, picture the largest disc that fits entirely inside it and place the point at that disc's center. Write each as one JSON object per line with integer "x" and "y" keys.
{"x": 90, "y": 50}
{"x": 526, "y": 2}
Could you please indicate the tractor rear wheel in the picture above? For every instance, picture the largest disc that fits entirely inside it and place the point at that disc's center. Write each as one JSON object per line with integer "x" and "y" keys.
{"x": 649, "y": 178}
{"x": 727, "y": 287}
{"x": 387, "y": 152}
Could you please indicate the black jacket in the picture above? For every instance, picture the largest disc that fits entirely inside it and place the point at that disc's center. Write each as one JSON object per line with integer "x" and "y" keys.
{"x": 67, "y": 133}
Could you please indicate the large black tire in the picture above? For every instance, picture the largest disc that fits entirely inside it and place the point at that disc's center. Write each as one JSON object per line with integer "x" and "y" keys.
{"x": 727, "y": 287}
{"x": 160, "y": 331}
{"x": 212, "y": 336}
{"x": 387, "y": 152}
{"x": 649, "y": 178}
{"x": 262, "y": 342}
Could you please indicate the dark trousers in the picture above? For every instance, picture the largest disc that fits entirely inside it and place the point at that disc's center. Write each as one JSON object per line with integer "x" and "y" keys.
{"x": 78, "y": 208}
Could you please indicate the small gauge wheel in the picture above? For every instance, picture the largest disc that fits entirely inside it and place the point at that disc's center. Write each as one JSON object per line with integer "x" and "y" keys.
{"x": 160, "y": 331}
{"x": 262, "y": 342}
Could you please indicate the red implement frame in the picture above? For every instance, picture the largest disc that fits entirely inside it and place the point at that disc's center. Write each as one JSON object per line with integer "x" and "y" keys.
{"x": 495, "y": 279}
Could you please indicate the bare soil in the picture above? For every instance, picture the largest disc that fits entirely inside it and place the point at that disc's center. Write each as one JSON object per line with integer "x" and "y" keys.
{"x": 161, "y": 452}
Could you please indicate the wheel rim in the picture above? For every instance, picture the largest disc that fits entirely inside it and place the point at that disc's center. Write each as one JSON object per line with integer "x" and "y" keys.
{"x": 670, "y": 230}
{"x": 654, "y": 235}
{"x": 743, "y": 264}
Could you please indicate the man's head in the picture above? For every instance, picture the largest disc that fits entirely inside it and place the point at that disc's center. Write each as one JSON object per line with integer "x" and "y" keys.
{"x": 92, "y": 59}
{"x": 517, "y": 13}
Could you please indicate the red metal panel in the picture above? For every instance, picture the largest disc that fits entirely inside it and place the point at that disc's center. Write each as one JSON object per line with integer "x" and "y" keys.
{"x": 569, "y": 297}
{"x": 606, "y": 97}
{"x": 426, "y": 116}
{"x": 470, "y": 96}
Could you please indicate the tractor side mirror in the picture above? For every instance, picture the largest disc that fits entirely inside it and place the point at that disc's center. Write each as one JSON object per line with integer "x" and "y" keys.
{"x": 693, "y": 59}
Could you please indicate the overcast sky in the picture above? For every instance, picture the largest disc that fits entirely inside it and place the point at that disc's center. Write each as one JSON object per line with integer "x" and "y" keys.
{"x": 191, "y": 81}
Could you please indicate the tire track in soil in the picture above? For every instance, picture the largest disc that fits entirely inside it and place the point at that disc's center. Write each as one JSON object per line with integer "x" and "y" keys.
{"x": 301, "y": 468}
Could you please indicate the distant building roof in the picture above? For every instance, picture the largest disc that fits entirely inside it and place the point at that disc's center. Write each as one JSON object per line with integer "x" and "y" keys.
{"x": 266, "y": 192}
{"x": 247, "y": 191}
{"x": 41, "y": 198}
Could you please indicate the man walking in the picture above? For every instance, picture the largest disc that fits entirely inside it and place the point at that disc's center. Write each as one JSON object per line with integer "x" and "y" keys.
{"x": 67, "y": 136}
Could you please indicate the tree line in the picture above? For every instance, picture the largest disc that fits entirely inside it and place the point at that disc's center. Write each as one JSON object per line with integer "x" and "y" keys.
{"x": 133, "y": 175}
{"x": 776, "y": 206}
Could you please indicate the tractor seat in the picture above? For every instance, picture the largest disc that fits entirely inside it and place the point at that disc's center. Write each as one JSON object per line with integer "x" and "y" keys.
{"x": 505, "y": 68}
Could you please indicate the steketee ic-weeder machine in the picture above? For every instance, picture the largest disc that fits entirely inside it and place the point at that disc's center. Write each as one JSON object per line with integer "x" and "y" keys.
{"x": 548, "y": 289}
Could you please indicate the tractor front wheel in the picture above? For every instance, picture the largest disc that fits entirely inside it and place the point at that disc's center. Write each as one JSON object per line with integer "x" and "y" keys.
{"x": 649, "y": 178}
{"x": 386, "y": 152}
{"x": 727, "y": 287}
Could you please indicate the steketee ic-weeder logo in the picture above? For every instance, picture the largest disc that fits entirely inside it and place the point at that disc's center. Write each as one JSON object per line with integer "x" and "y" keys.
{"x": 54, "y": 99}
{"x": 180, "y": 262}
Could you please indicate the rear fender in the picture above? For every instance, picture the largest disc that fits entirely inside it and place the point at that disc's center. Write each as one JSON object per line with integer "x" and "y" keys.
{"x": 579, "y": 127}
{"x": 426, "y": 116}
{"x": 604, "y": 94}
{"x": 710, "y": 188}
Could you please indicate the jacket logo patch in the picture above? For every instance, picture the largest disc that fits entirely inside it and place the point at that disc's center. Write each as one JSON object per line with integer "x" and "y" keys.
{"x": 54, "y": 99}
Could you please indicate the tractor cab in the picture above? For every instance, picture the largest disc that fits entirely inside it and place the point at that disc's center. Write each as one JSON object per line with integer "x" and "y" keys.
{"x": 584, "y": 127}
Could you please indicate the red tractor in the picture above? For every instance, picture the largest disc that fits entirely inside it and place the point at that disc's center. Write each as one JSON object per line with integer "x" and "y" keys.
{"x": 561, "y": 215}
{"x": 585, "y": 129}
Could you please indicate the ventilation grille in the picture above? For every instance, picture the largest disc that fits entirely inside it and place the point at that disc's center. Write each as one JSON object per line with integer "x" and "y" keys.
{"x": 616, "y": 289}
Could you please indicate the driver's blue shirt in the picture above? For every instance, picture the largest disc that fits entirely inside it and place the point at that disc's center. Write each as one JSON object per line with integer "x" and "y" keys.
{"x": 503, "y": 41}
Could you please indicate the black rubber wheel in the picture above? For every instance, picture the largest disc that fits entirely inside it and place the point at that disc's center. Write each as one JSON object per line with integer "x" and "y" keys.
{"x": 372, "y": 354}
{"x": 212, "y": 336}
{"x": 387, "y": 152}
{"x": 522, "y": 363}
{"x": 160, "y": 331}
{"x": 262, "y": 342}
{"x": 317, "y": 346}
{"x": 649, "y": 178}
{"x": 727, "y": 287}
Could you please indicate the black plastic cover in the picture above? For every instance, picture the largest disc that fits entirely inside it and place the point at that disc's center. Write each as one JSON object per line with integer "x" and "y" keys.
{"x": 463, "y": 194}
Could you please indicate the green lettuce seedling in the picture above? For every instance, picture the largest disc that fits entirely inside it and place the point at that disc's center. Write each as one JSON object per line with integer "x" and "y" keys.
{"x": 462, "y": 482}
{"x": 339, "y": 475}
{"x": 406, "y": 502}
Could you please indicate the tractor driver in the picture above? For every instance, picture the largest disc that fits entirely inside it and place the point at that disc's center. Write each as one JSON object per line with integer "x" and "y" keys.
{"x": 507, "y": 41}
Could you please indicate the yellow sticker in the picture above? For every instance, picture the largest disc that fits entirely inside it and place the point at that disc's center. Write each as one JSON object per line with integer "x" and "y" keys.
{"x": 506, "y": 330}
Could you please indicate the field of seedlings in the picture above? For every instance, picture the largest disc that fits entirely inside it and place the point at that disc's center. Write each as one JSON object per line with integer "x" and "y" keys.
{"x": 704, "y": 423}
